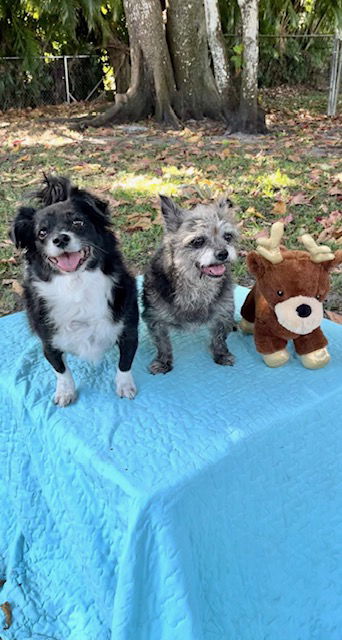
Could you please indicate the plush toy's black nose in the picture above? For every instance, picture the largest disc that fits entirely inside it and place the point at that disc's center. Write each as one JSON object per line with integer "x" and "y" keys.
{"x": 304, "y": 310}
{"x": 61, "y": 240}
{"x": 221, "y": 255}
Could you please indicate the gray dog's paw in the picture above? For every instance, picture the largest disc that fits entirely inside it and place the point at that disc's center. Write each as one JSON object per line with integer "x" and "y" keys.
{"x": 157, "y": 366}
{"x": 226, "y": 359}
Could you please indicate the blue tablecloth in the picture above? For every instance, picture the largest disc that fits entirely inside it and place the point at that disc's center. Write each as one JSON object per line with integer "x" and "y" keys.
{"x": 209, "y": 508}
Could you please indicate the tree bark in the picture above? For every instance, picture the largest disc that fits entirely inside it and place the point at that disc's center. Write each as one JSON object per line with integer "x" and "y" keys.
{"x": 197, "y": 93}
{"x": 118, "y": 53}
{"x": 217, "y": 48}
{"x": 250, "y": 118}
{"x": 171, "y": 73}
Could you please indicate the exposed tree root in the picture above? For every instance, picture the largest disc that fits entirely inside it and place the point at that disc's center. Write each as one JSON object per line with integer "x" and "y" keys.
{"x": 128, "y": 107}
{"x": 242, "y": 123}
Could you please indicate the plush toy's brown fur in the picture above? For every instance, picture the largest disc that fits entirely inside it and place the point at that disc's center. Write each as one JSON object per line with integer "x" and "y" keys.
{"x": 295, "y": 276}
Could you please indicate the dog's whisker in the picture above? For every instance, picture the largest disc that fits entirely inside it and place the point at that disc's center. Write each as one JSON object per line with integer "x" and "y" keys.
{"x": 96, "y": 246}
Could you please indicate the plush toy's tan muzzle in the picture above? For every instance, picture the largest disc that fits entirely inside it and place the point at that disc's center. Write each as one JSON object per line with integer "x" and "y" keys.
{"x": 300, "y": 314}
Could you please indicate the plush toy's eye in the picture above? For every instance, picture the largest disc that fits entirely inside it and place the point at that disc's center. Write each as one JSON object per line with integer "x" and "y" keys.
{"x": 280, "y": 293}
{"x": 318, "y": 296}
{"x": 42, "y": 234}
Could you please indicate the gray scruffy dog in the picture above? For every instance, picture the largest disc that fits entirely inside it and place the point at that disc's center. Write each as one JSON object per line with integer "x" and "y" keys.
{"x": 188, "y": 282}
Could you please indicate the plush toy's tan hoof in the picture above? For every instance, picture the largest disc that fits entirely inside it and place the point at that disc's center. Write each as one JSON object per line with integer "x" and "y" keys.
{"x": 246, "y": 327}
{"x": 316, "y": 359}
{"x": 276, "y": 359}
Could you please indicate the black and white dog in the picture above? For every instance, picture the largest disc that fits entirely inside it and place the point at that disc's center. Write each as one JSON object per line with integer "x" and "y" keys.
{"x": 80, "y": 298}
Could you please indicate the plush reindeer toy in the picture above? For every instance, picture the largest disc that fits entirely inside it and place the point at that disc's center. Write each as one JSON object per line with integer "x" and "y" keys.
{"x": 286, "y": 302}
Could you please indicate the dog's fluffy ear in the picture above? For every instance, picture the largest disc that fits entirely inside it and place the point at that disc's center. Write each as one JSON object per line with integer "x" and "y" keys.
{"x": 55, "y": 189}
{"x": 22, "y": 231}
{"x": 97, "y": 210}
{"x": 172, "y": 213}
{"x": 225, "y": 203}
{"x": 226, "y": 208}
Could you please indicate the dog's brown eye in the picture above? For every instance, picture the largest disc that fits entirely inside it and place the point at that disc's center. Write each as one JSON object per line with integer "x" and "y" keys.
{"x": 280, "y": 293}
{"x": 42, "y": 234}
{"x": 197, "y": 243}
{"x": 78, "y": 223}
{"x": 228, "y": 237}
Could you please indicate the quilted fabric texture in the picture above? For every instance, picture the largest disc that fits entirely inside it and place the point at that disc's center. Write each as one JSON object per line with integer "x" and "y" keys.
{"x": 209, "y": 508}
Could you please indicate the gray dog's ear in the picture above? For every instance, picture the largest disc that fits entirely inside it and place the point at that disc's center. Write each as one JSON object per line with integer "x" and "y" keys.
{"x": 173, "y": 214}
{"x": 225, "y": 204}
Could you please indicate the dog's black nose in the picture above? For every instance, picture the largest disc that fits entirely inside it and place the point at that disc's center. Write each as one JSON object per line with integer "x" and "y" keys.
{"x": 304, "y": 310}
{"x": 61, "y": 240}
{"x": 221, "y": 255}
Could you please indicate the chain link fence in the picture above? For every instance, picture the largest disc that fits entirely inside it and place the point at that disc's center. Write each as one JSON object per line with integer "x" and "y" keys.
{"x": 50, "y": 80}
{"x": 288, "y": 59}
{"x": 294, "y": 59}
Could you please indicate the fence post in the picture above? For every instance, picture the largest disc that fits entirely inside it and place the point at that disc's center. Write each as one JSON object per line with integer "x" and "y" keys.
{"x": 66, "y": 77}
{"x": 335, "y": 75}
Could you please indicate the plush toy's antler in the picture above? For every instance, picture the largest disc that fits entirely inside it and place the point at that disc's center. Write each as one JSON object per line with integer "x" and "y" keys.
{"x": 269, "y": 248}
{"x": 318, "y": 252}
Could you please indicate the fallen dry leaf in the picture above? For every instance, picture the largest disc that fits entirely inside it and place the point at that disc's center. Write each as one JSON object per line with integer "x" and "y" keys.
{"x": 225, "y": 153}
{"x": 315, "y": 175}
{"x": 115, "y": 203}
{"x": 138, "y": 222}
{"x": 7, "y": 610}
{"x": 335, "y": 191}
{"x": 141, "y": 225}
{"x": 332, "y": 226}
{"x": 334, "y": 218}
{"x": 158, "y": 219}
{"x": 279, "y": 207}
{"x": 262, "y": 234}
{"x": 24, "y": 158}
{"x": 17, "y": 287}
{"x": 300, "y": 198}
{"x": 8, "y": 260}
{"x": 287, "y": 219}
{"x": 253, "y": 213}
{"x": 87, "y": 168}
{"x": 335, "y": 317}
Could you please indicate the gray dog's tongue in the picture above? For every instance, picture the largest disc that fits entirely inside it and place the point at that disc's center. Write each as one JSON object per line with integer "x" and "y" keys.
{"x": 214, "y": 269}
{"x": 69, "y": 261}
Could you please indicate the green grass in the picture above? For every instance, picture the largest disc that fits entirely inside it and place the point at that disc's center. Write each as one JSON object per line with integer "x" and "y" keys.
{"x": 130, "y": 167}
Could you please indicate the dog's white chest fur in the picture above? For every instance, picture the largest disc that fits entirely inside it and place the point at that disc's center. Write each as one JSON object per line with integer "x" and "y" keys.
{"x": 78, "y": 308}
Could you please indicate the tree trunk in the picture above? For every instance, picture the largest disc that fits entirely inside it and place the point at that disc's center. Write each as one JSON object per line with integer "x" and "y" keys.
{"x": 250, "y": 118}
{"x": 118, "y": 53}
{"x": 218, "y": 50}
{"x": 197, "y": 93}
{"x": 171, "y": 73}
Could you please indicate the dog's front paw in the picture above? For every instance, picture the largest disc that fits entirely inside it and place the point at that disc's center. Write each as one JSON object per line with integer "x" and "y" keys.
{"x": 125, "y": 387}
{"x": 65, "y": 390}
{"x": 157, "y": 366}
{"x": 63, "y": 398}
{"x": 226, "y": 359}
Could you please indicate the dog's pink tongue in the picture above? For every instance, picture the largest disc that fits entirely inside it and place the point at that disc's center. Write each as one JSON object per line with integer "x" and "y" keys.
{"x": 69, "y": 261}
{"x": 214, "y": 269}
